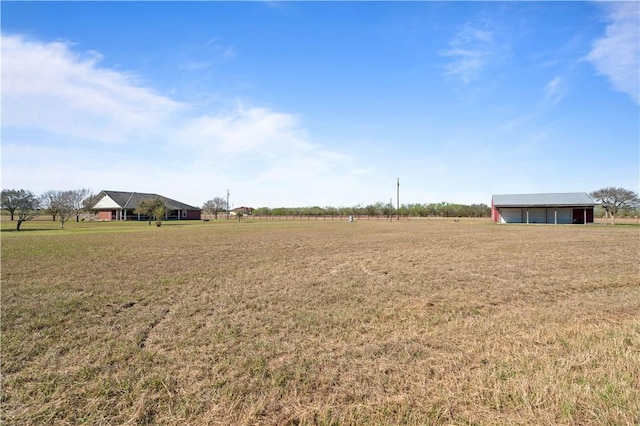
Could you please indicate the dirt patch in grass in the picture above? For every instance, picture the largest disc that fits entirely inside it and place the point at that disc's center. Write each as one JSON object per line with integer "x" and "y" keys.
{"x": 321, "y": 323}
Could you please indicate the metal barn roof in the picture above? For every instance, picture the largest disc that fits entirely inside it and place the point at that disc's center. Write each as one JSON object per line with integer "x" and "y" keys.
{"x": 550, "y": 199}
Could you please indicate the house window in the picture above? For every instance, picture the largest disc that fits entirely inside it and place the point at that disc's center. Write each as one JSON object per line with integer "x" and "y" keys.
{"x": 184, "y": 213}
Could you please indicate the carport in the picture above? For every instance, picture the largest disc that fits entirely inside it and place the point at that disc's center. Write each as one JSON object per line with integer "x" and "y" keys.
{"x": 553, "y": 208}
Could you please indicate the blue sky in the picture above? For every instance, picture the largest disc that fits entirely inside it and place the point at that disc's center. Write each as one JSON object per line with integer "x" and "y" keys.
{"x": 321, "y": 103}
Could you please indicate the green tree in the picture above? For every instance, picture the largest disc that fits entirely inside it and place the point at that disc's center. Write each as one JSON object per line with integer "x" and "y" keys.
{"x": 10, "y": 199}
{"x": 154, "y": 208}
{"x": 26, "y": 206}
{"x": 415, "y": 210}
{"x": 386, "y": 209}
{"x": 371, "y": 210}
{"x": 314, "y": 211}
{"x": 262, "y": 211}
{"x": 331, "y": 211}
{"x": 615, "y": 199}
{"x": 279, "y": 211}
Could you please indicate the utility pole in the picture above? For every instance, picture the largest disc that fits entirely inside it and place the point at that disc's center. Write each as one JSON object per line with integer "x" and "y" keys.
{"x": 398, "y": 195}
{"x": 227, "y": 204}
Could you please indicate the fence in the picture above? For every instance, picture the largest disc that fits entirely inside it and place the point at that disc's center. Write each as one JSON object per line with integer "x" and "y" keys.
{"x": 338, "y": 218}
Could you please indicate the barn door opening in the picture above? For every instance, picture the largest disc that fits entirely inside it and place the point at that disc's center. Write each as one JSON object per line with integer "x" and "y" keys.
{"x": 578, "y": 216}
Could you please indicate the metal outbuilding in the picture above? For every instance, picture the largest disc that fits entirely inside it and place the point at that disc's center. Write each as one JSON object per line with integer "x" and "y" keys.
{"x": 555, "y": 208}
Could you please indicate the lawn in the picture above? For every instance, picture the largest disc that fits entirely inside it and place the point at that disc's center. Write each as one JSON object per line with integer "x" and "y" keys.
{"x": 320, "y": 322}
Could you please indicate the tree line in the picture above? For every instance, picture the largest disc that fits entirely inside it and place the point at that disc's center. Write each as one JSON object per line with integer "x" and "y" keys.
{"x": 443, "y": 209}
{"x": 63, "y": 205}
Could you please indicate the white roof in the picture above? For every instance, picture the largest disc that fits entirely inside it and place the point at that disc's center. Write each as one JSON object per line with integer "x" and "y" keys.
{"x": 551, "y": 199}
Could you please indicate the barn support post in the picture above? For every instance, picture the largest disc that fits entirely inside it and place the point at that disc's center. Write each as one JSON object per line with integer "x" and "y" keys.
{"x": 584, "y": 211}
{"x": 527, "y": 216}
{"x": 555, "y": 216}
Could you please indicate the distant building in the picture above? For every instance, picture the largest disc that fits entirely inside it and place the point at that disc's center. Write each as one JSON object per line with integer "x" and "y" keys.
{"x": 245, "y": 211}
{"x": 556, "y": 208}
{"x": 118, "y": 205}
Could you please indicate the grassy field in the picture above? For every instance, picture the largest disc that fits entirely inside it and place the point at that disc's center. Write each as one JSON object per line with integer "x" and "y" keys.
{"x": 320, "y": 323}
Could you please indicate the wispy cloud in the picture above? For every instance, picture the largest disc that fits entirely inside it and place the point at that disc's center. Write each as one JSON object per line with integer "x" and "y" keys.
{"x": 470, "y": 50}
{"x": 514, "y": 123}
{"x": 220, "y": 48}
{"x": 616, "y": 55}
{"x": 555, "y": 90}
{"x": 202, "y": 56}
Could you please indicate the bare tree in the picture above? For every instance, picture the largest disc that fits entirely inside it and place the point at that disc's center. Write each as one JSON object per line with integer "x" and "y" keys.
{"x": 59, "y": 204}
{"x": 78, "y": 198}
{"x": 215, "y": 206}
{"x": 46, "y": 201}
{"x": 615, "y": 199}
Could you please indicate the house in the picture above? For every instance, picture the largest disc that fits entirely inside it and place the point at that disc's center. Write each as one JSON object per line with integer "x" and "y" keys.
{"x": 246, "y": 211}
{"x": 119, "y": 205}
{"x": 556, "y": 208}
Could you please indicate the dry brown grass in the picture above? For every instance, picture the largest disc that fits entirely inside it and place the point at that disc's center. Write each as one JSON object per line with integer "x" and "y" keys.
{"x": 321, "y": 323}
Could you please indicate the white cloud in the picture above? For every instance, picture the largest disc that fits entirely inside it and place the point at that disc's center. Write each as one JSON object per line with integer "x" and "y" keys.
{"x": 49, "y": 87}
{"x": 616, "y": 55}
{"x": 243, "y": 130}
{"x": 68, "y": 122}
